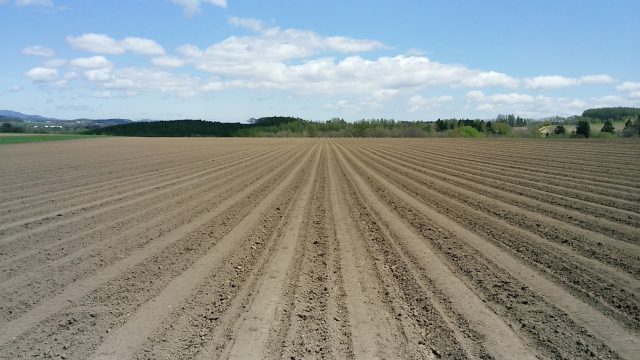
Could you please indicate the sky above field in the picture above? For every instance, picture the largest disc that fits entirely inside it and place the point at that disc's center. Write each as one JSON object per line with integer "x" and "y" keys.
{"x": 230, "y": 60}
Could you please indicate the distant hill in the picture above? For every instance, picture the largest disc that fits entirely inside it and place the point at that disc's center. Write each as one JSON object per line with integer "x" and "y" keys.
{"x": 4, "y": 118}
{"x": 19, "y": 115}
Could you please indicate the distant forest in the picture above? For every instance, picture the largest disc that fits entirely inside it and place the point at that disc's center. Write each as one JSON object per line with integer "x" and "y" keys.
{"x": 612, "y": 114}
{"x": 605, "y": 122}
{"x": 284, "y": 126}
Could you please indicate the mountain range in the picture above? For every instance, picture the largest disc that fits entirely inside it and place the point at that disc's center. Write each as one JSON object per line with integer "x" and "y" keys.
{"x": 10, "y": 115}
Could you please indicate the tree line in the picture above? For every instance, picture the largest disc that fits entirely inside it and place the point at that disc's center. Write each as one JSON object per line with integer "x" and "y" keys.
{"x": 285, "y": 126}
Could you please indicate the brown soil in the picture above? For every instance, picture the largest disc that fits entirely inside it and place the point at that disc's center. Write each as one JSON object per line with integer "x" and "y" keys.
{"x": 152, "y": 248}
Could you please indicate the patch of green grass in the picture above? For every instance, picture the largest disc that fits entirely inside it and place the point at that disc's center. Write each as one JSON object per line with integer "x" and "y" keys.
{"x": 27, "y": 138}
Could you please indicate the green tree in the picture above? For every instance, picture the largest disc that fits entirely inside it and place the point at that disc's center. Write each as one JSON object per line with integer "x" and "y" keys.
{"x": 559, "y": 130}
{"x": 8, "y": 128}
{"x": 501, "y": 128}
{"x": 608, "y": 127}
{"x": 583, "y": 129}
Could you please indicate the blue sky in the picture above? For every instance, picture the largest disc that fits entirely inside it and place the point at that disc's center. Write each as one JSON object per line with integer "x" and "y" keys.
{"x": 230, "y": 60}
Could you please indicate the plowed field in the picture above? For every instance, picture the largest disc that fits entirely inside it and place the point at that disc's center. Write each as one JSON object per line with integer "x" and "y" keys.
{"x": 148, "y": 248}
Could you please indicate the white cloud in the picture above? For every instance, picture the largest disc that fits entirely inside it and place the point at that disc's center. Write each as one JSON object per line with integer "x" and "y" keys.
{"x": 168, "y": 61}
{"x": 97, "y": 75}
{"x": 353, "y": 74}
{"x": 97, "y": 43}
{"x": 384, "y": 94}
{"x": 38, "y": 51}
{"x": 555, "y": 81}
{"x": 90, "y": 62}
{"x": 539, "y": 105}
{"x": 418, "y": 102}
{"x": 629, "y": 86}
{"x": 192, "y": 7}
{"x": 301, "y": 62}
{"x": 41, "y": 74}
{"x": 141, "y": 46}
{"x": 273, "y": 44}
{"x": 510, "y": 98}
{"x": 133, "y": 80}
{"x": 104, "y": 44}
{"x": 597, "y": 79}
{"x": 353, "y": 106}
{"x": 47, "y": 3}
{"x": 251, "y": 24}
{"x": 490, "y": 78}
{"x": 549, "y": 82}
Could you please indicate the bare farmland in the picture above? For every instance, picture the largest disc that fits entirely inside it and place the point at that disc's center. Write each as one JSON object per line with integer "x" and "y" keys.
{"x": 262, "y": 248}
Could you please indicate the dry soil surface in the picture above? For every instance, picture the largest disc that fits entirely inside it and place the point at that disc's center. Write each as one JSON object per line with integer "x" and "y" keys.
{"x": 147, "y": 248}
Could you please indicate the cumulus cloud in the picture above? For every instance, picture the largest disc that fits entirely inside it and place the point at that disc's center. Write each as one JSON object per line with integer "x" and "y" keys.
{"x": 99, "y": 75}
{"x": 538, "y": 105}
{"x": 251, "y": 24}
{"x": 555, "y": 81}
{"x": 192, "y": 7}
{"x": 141, "y": 46}
{"x": 97, "y": 43}
{"x": 38, "y": 51}
{"x": 629, "y": 86}
{"x": 168, "y": 61}
{"x": 273, "y": 44}
{"x": 510, "y": 98}
{"x": 302, "y": 62}
{"x": 90, "y": 62}
{"x": 384, "y": 94}
{"x": 490, "y": 78}
{"x": 597, "y": 79}
{"x": 42, "y": 74}
{"x": 104, "y": 44}
{"x": 353, "y": 106}
{"x": 132, "y": 80}
{"x": 418, "y": 102}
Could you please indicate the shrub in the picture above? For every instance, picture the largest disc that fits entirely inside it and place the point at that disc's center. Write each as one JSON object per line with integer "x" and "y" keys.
{"x": 466, "y": 131}
{"x": 604, "y": 135}
{"x": 501, "y": 128}
{"x": 559, "y": 130}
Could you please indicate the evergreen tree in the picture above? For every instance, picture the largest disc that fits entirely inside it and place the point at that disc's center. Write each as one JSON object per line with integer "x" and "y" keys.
{"x": 608, "y": 127}
{"x": 583, "y": 129}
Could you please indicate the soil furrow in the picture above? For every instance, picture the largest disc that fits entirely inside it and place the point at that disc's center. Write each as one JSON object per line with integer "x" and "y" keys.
{"x": 270, "y": 248}
{"x": 79, "y": 289}
{"x": 604, "y": 287}
{"x": 620, "y": 339}
{"x": 123, "y": 342}
{"x": 500, "y": 339}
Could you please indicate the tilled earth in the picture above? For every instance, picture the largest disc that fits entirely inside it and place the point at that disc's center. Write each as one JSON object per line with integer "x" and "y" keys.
{"x": 148, "y": 248}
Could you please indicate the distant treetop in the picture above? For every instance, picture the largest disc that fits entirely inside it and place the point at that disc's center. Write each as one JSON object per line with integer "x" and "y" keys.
{"x": 612, "y": 113}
